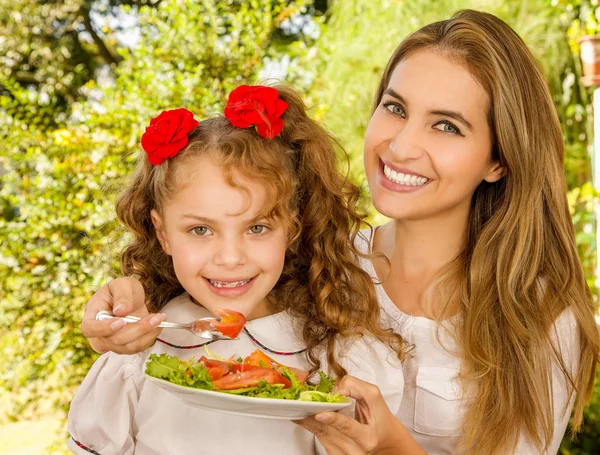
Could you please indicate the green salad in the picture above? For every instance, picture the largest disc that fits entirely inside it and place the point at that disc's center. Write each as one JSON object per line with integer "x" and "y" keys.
{"x": 255, "y": 376}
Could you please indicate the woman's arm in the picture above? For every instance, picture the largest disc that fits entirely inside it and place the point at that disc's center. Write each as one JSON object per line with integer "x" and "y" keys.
{"x": 375, "y": 430}
{"x": 123, "y": 296}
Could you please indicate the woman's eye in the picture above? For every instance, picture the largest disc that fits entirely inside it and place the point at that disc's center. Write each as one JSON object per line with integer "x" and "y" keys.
{"x": 201, "y": 230}
{"x": 447, "y": 127}
{"x": 258, "y": 229}
{"x": 394, "y": 108}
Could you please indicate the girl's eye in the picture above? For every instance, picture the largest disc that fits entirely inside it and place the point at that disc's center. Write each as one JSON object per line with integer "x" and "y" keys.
{"x": 447, "y": 127}
{"x": 258, "y": 229}
{"x": 394, "y": 108}
{"x": 201, "y": 230}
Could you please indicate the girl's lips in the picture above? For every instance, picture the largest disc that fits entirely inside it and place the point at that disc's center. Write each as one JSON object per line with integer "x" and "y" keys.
{"x": 393, "y": 186}
{"x": 230, "y": 292}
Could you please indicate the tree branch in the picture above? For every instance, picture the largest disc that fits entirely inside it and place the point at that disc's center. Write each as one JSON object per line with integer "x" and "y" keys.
{"x": 102, "y": 47}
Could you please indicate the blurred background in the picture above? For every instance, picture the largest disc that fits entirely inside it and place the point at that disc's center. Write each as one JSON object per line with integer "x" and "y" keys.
{"x": 80, "y": 79}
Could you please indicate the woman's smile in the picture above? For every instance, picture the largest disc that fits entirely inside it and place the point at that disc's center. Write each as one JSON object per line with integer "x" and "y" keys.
{"x": 401, "y": 180}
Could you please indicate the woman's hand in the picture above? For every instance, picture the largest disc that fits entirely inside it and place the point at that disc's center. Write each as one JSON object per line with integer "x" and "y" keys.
{"x": 375, "y": 430}
{"x": 123, "y": 296}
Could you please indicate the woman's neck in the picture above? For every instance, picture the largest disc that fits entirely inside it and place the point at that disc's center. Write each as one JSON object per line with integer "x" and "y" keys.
{"x": 417, "y": 250}
{"x": 422, "y": 245}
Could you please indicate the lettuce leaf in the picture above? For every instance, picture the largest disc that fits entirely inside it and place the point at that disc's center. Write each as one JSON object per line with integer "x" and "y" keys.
{"x": 187, "y": 373}
{"x": 315, "y": 395}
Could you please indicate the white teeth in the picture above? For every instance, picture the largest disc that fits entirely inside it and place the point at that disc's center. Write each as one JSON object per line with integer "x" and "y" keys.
{"x": 228, "y": 284}
{"x": 404, "y": 179}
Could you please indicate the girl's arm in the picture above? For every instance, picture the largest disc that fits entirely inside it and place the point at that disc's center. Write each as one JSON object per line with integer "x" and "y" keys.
{"x": 101, "y": 415}
{"x": 375, "y": 430}
{"x": 123, "y": 296}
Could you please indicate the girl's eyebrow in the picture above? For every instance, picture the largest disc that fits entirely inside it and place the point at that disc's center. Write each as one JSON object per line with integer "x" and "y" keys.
{"x": 444, "y": 112}
{"x": 198, "y": 218}
{"x": 214, "y": 222}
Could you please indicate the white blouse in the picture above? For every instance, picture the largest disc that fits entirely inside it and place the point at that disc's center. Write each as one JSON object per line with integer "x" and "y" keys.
{"x": 117, "y": 411}
{"x": 433, "y": 405}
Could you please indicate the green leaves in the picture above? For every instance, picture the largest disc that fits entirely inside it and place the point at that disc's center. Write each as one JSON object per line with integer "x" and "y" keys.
{"x": 187, "y": 373}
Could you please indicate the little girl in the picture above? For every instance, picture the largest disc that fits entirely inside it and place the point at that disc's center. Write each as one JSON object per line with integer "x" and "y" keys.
{"x": 246, "y": 212}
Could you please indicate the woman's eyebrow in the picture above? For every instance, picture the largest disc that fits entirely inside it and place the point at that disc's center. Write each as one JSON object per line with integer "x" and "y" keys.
{"x": 444, "y": 112}
{"x": 455, "y": 115}
{"x": 391, "y": 92}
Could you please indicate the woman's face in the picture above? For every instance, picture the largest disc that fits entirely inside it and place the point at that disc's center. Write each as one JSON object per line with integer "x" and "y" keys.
{"x": 428, "y": 144}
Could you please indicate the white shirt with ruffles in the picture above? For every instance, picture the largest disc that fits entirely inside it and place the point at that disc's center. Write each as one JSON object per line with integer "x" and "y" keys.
{"x": 117, "y": 411}
{"x": 433, "y": 404}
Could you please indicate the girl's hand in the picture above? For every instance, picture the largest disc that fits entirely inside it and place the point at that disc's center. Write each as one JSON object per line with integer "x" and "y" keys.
{"x": 123, "y": 296}
{"x": 375, "y": 430}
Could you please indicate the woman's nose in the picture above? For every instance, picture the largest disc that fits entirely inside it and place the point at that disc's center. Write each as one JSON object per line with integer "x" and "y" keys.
{"x": 408, "y": 143}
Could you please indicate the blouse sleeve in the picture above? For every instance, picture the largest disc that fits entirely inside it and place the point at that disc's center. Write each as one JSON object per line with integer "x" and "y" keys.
{"x": 102, "y": 411}
{"x": 373, "y": 361}
{"x": 565, "y": 336}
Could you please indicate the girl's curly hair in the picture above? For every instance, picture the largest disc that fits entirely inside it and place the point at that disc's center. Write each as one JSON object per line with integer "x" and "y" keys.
{"x": 322, "y": 283}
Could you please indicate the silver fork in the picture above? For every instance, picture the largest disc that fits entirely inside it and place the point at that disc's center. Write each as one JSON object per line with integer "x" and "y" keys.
{"x": 200, "y": 327}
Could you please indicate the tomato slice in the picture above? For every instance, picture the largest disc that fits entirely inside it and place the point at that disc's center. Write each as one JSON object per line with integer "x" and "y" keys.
{"x": 231, "y": 323}
{"x": 251, "y": 378}
{"x": 262, "y": 360}
{"x": 225, "y": 366}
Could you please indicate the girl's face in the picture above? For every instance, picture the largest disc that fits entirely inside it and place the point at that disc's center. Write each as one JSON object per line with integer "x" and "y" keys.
{"x": 428, "y": 144}
{"x": 224, "y": 254}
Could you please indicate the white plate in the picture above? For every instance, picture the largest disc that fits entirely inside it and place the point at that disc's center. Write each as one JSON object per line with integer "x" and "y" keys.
{"x": 265, "y": 408}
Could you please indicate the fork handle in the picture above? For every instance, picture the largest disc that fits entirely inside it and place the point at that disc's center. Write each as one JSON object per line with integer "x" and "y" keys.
{"x": 104, "y": 315}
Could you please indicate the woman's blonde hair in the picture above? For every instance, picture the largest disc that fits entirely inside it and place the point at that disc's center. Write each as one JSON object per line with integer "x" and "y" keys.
{"x": 322, "y": 283}
{"x": 519, "y": 270}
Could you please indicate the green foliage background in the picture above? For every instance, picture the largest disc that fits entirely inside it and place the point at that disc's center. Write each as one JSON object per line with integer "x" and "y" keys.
{"x": 68, "y": 140}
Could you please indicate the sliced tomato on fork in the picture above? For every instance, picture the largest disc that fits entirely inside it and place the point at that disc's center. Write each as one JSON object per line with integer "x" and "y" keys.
{"x": 231, "y": 322}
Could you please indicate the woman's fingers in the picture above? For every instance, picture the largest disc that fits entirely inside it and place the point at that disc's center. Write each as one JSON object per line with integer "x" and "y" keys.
{"x": 364, "y": 436}
{"x": 128, "y": 297}
{"x": 333, "y": 440}
{"x": 129, "y": 339}
{"x": 123, "y": 296}
{"x": 359, "y": 390}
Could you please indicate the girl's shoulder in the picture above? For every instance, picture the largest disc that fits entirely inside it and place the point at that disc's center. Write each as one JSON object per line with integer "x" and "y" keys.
{"x": 364, "y": 240}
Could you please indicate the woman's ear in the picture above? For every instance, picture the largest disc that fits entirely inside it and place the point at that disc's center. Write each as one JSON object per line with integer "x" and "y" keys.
{"x": 160, "y": 232}
{"x": 495, "y": 173}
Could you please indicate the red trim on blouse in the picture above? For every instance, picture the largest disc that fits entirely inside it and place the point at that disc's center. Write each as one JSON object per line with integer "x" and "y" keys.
{"x": 80, "y": 445}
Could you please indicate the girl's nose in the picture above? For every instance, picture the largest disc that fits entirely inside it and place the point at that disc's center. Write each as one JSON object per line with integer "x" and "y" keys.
{"x": 408, "y": 143}
{"x": 230, "y": 254}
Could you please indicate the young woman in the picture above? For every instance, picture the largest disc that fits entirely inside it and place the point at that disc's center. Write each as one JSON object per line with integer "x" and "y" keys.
{"x": 478, "y": 266}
